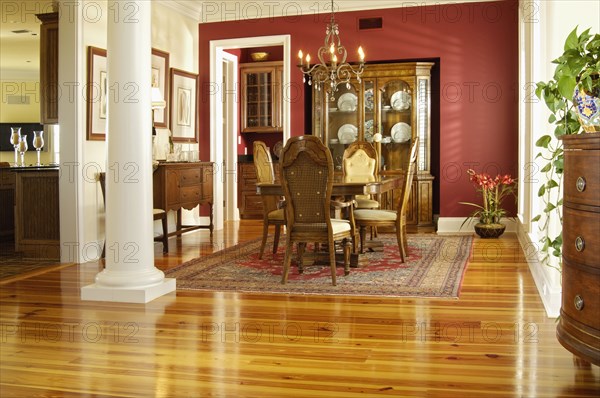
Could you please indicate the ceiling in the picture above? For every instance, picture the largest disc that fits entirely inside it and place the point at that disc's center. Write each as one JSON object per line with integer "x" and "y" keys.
{"x": 19, "y": 52}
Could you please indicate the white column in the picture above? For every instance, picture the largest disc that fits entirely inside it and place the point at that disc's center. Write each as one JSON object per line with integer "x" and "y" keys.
{"x": 130, "y": 275}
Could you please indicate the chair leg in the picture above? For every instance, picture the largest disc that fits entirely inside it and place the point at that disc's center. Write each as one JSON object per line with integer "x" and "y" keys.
{"x": 264, "y": 238}
{"x": 347, "y": 247}
{"x": 332, "y": 261}
{"x": 165, "y": 237}
{"x": 363, "y": 238}
{"x": 276, "y": 238}
{"x": 401, "y": 249}
{"x": 287, "y": 261}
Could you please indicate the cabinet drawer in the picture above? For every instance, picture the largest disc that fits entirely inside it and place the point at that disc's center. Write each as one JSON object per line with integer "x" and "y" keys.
{"x": 581, "y": 237}
{"x": 582, "y": 177}
{"x": 190, "y": 194}
{"x": 189, "y": 177}
{"x": 579, "y": 284}
{"x": 7, "y": 178}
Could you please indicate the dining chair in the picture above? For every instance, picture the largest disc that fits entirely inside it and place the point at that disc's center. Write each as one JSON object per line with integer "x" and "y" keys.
{"x": 391, "y": 218}
{"x": 157, "y": 214}
{"x": 307, "y": 181}
{"x": 273, "y": 214}
{"x": 359, "y": 160}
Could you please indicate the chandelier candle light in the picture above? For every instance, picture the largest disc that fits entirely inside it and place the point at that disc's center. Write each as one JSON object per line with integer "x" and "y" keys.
{"x": 336, "y": 70}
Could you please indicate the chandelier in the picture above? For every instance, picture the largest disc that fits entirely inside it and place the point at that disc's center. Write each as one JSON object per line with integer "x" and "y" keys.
{"x": 335, "y": 71}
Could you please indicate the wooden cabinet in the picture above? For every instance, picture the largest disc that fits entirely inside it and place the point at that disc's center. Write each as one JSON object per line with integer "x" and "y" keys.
{"x": 394, "y": 101}
{"x": 37, "y": 221}
{"x": 249, "y": 202}
{"x": 179, "y": 185}
{"x": 579, "y": 325}
{"x": 49, "y": 68}
{"x": 7, "y": 198}
{"x": 261, "y": 97}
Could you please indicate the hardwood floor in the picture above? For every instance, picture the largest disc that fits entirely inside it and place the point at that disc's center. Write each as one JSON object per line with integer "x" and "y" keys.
{"x": 494, "y": 341}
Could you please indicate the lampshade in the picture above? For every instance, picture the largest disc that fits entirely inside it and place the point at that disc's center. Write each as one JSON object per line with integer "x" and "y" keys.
{"x": 157, "y": 99}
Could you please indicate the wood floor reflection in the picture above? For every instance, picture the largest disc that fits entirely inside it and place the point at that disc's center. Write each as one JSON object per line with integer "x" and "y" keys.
{"x": 494, "y": 341}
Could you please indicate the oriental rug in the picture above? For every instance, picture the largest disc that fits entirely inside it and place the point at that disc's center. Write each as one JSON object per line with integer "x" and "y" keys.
{"x": 434, "y": 268}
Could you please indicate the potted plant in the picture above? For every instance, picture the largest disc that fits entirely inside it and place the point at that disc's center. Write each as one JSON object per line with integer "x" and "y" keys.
{"x": 490, "y": 212}
{"x": 569, "y": 97}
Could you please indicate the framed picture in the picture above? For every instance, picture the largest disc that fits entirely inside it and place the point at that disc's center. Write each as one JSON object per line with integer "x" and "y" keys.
{"x": 160, "y": 79}
{"x": 96, "y": 94}
{"x": 184, "y": 99}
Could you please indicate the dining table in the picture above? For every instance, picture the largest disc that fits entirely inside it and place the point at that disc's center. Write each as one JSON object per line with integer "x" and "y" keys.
{"x": 346, "y": 186}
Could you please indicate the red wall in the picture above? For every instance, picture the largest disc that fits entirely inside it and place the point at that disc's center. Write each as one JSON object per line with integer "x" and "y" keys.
{"x": 477, "y": 44}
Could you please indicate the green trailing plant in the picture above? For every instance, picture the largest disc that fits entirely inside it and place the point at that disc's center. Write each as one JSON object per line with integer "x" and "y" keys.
{"x": 578, "y": 66}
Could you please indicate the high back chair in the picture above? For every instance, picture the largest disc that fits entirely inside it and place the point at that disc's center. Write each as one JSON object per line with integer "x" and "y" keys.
{"x": 307, "y": 181}
{"x": 157, "y": 214}
{"x": 391, "y": 218}
{"x": 272, "y": 214}
{"x": 359, "y": 160}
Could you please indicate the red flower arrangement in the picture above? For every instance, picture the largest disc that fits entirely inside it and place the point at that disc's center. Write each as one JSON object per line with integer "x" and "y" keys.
{"x": 493, "y": 191}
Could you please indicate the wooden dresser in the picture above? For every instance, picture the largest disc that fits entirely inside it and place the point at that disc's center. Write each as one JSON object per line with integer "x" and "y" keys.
{"x": 184, "y": 185}
{"x": 579, "y": 326}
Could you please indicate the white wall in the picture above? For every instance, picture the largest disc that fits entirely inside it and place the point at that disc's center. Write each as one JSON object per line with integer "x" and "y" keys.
{"x": 544, "y": 26}
{"x": 171, "y": 32}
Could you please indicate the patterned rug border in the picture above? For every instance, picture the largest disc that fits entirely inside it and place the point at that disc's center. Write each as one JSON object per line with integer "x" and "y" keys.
{"x": 451, "y": 287}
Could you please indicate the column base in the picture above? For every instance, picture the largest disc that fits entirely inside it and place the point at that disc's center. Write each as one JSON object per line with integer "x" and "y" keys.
{"x": 140, "y": 295}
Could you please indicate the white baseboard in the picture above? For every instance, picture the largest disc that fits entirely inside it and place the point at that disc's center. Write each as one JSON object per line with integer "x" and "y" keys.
{"x": 452, "y": 225}
{"x": 549, "y": 292}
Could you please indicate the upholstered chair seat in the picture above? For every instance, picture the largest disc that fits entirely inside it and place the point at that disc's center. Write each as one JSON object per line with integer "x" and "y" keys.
{"x": 367, "y": 214}
{"x": 276, "y": 215}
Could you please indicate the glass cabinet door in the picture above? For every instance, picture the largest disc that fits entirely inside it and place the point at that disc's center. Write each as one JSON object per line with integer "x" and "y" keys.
{"x": 259, "y": 109}
{"x": 343, "y": 117}
{"x": 395, "y": 123}
{"x": 261, "y": 99}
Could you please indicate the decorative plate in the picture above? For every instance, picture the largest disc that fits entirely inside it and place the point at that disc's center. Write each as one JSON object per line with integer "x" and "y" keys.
{"x": 369, "y": 104}
{"x": 401, "y": 132}
{"x": 347, "y": 133}
{"x": 347, "y": 102}
{"x": 277, "y": 148}
{"x": 400, "y": 100}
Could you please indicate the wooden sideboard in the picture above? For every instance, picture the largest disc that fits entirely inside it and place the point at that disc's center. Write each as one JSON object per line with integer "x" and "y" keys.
{"x": 37, "y": 221}
{"x": 579, "y": 325}
{"x": 249, "y": 202}
{"x": 184, "y": 185}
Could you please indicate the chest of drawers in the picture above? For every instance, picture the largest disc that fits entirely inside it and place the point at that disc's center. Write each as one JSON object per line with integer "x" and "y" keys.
{"x": 180, "y": 185}
{"x": 579, "y": 326}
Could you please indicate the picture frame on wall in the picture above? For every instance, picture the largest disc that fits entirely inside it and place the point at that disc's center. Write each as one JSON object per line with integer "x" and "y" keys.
{"x": 183, "y": 100}
{"x": 160, "y": 79}
{"x": 96, "y": 94}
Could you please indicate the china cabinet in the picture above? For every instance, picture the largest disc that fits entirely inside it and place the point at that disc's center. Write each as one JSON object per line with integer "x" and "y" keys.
{"x": 579, "y": 325}
{"x": 392, "y": 100}
{"x": 49, "y": 68}
{"x": 261, "y": 97}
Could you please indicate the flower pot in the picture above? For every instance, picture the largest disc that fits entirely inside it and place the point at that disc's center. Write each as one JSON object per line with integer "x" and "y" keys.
{"x": 588, "y": 110}
{"x": 489, "y": 230}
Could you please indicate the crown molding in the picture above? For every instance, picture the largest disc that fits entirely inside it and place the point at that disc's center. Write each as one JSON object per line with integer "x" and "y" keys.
{"x": 188, "y": 8}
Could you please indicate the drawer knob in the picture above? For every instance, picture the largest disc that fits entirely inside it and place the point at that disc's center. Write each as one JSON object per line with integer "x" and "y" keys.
{"x": 580, "y": 184}
{"x": 578, "y": 303}
{"x": 579, "y": 244}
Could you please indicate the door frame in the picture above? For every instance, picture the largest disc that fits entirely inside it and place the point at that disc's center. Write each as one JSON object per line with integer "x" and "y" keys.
{"x": 231, "y": 212}
{"x": 217, "y": 58}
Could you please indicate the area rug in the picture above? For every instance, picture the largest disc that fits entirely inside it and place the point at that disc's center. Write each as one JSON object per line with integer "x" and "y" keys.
{"x": 435, "y": 268}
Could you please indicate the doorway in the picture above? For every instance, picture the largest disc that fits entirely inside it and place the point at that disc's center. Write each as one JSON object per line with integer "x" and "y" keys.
{"x": 223, "y": 145}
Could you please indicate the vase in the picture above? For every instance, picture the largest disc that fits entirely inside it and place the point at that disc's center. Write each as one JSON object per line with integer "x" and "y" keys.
{"x": 486, "y": 231}
{"x": 588, "y": 110}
